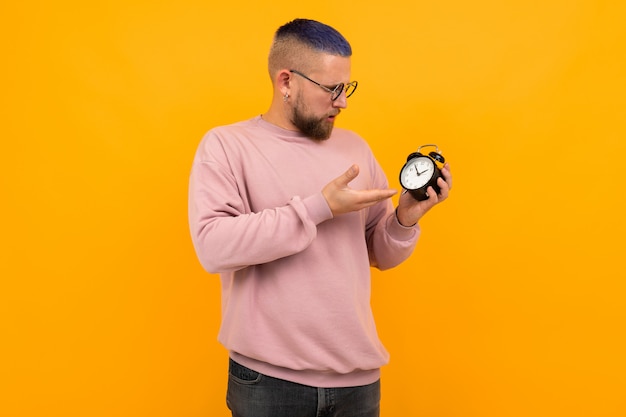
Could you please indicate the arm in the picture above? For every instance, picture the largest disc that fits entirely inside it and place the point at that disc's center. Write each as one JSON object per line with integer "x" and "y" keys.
{"x": 395, "y": 233}
{"x": 227, "y": 235}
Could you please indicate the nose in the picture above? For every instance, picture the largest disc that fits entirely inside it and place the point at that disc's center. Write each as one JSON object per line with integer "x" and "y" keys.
{"x": 342, "y": 101}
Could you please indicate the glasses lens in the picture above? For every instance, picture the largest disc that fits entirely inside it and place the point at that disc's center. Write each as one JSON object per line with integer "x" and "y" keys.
{"x": 350, "y": 88}
{"x": 337, "y": 91}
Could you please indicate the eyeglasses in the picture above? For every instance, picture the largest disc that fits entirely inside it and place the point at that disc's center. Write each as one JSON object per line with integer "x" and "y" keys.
{"x": 334, "y": 91}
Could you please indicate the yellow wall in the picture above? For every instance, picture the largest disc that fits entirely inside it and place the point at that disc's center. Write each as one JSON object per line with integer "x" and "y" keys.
{"x": 513, "y": 304}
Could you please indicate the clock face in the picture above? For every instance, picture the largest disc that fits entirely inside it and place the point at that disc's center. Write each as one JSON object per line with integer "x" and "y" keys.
{"x": 417, "y": 172}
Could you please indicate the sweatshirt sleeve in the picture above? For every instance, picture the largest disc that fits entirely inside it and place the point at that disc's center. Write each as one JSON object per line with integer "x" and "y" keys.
{"x": 391, "y": 243}
{"x": 388, "y": 242}
{"x": 226, "y": 235}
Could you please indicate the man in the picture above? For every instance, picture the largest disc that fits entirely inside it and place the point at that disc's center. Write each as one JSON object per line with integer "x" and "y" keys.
{"x": 292, "y": 212}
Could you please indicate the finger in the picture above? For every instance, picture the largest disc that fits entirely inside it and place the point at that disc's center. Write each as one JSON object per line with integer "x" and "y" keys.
{"x": 433, "y": 197}
{"x": 370, "y": 197}
{"x": 447, "y": 175}
{"x": 444, "y": 188}
{"x": 344, "y": 179}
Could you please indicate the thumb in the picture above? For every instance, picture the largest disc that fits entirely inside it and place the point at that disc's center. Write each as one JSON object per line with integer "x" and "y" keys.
{"x": 349, "y": 175}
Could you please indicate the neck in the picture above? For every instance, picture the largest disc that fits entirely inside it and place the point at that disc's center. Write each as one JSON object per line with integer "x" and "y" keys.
{"x": 277, "y": 115}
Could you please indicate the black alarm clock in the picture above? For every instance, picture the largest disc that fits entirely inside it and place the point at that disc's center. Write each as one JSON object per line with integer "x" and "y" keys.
{"x": 422, "y": 171}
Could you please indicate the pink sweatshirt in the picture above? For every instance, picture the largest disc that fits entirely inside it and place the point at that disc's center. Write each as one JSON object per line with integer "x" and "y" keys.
{"x": 295, "y": 280}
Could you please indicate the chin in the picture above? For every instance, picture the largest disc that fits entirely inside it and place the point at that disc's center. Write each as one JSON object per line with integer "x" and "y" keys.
{"x": 322, "y": 137}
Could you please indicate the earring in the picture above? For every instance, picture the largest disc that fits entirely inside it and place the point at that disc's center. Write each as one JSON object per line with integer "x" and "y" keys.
{"x": 285, "y": 97}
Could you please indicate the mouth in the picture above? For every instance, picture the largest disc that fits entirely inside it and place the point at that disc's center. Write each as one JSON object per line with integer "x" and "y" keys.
{"x": 332, "y": 117}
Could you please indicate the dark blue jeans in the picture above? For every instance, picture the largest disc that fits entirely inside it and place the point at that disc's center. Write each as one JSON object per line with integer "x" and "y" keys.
{"x": 251, "y": 394}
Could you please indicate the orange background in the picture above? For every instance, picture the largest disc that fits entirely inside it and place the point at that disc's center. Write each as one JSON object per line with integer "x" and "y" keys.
{"x": 512, "y": 305}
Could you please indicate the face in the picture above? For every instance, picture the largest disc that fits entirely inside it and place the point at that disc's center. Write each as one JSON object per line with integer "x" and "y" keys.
{"x": 313, "y": 112}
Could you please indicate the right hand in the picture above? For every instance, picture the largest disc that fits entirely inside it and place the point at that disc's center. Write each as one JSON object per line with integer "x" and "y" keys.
{"x": 342, "y": 199}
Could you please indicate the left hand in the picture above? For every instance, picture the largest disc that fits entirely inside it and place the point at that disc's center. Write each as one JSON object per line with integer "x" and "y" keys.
{"x": 410, "y": 211}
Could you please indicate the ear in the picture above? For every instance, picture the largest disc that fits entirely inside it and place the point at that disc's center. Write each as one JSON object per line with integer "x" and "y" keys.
{"x": 283, "y": 81}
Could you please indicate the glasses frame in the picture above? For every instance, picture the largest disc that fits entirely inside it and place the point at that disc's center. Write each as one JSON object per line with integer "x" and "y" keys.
{"x": 336, "y": 91}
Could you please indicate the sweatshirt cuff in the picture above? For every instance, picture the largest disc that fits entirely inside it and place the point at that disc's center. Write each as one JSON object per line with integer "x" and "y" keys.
{"x": 400, "y": 232}
{"x": 317, "y": 208}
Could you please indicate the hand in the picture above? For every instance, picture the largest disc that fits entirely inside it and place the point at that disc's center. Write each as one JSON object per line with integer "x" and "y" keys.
{"x": 342, "y": 199}
{"x": 410, "y": 211}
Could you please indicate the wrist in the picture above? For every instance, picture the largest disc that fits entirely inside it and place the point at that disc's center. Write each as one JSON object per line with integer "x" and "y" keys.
{"x": 401, "y": 223}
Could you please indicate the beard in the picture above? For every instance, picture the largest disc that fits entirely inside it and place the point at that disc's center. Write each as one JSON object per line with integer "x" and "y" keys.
{"x": 313, "y": 127}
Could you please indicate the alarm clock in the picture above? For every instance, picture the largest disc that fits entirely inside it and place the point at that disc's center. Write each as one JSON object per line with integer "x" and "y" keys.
{"x": 422, "y": 171}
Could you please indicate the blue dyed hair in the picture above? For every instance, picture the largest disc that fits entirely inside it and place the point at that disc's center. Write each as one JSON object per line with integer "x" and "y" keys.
{"x": 316, "y": 35}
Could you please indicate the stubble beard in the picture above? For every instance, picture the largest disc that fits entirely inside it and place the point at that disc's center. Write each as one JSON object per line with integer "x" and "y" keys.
{"x": 315, "y": 128}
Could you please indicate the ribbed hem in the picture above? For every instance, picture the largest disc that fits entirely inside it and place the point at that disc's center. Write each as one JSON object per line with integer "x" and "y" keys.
{"x": 317, "y": 208}
{"x": 308, "y": 377}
